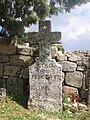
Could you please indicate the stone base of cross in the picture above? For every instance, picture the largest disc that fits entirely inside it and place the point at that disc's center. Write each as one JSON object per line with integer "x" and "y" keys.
{"x": 45, "y": 76}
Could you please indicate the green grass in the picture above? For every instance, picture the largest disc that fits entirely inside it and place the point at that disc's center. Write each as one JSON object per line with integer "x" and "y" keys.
{"x": 84, "y": 116}
{"x": 10, "y": 110}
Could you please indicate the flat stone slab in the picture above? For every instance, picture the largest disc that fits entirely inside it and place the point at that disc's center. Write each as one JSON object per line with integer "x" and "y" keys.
{"x": 45, "y": 85}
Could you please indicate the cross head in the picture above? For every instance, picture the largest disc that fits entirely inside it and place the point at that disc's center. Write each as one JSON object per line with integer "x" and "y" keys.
{"x": 44, "y": 38}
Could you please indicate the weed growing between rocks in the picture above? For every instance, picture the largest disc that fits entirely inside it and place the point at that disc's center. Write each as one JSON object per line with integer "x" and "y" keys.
{"x": 71, "y": 104}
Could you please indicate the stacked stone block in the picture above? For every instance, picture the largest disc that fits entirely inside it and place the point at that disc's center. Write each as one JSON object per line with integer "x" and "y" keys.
{"x": 76, "y": 73}
{"x": 14, "y": 73}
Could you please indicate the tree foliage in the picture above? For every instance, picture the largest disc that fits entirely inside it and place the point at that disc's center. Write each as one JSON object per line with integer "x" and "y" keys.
{"x": 17, "y": 14}
{"x": 66, "y": 5}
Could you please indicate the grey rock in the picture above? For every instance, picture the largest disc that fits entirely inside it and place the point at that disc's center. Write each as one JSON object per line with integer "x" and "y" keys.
{"x": 74, "y": 58}
{"x": 1, "y": 70}
{"x": 24, "y": 50}
{"x": 45, "y": 85}
{"x": 2, "y": 92}
{"x": 15, "y": 86}
{"x": 84, "y": 93}
{"x": 80, "y": 63}
{"x": 68, "y": 66}
{"x": 70, "y": 91}
{"x": 3, "y": 58}
{"x": 54, "y": 51}
{"x": 45, "y": 75}
{"x": 25, "y": 73}
{"x": 12, "y": 70}
{"x": 21, "y": 60}
{"x": 74, "y": 79}
{"x": 86, "y": 62}
{"x": 7, "y": 49}
{"x": 80, "y": 68}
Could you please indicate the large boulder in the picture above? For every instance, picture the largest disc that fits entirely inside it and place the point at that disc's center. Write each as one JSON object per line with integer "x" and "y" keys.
{"x": 74, "y": 79}
{"x": 73, "y": 57}
{"x": 68, "y": 66}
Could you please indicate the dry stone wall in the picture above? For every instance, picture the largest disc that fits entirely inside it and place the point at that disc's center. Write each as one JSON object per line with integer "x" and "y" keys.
{"x": 76, "y": 73}
{"x": 14, "y": 76}
{"x": 14, "y": 73}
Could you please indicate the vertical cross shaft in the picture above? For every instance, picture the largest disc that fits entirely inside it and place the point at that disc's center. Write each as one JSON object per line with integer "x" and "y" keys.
{"x": 45, "y": 74}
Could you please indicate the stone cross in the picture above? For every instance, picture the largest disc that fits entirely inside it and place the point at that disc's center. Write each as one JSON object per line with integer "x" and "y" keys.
{"x": 44, "y": 38}
{"x": 45, "y": 76}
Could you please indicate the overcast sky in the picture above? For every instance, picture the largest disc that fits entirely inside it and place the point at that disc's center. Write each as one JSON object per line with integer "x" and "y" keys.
{"x": 75, "y": 28}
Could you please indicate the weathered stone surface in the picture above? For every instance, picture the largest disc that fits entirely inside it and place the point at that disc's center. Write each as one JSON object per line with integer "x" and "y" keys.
{"x": 80, "y": 53}
{"x": 2, "y": 83}
{"x": 3, "y": 58}
{"x": 80, "y": 63}
{"x": 88, "y": 53}
{"x": 45, "y": 75}
{"x": 86, "y": 62}
{"x": 15, "y": 86}
{"x": 80, "y": 68}
{"x": 68, "y": 66}
{"x": 24, "y": 50}
{"x": 84, "y": 82}
{"x": 2, "y": 87}
{"x": 2, "y": 92}
{"x": 12, "y": 70}
{"x": 25, "y": 73}
{"x": 21, "y": 60}
{"x": 84, "y": 93}
{"x": 74, "y": 58}
{"x": 1, "y": 70}
{"x": 74, "y": 79}
{"x": 45, "y": 85}
{"x": 44, "y": 38}
{"x": 7, "y": 49}
{"x": 61, "y": 56}
{"x": 70, "y": 91}
{"x": 6, "y": 41}
{"x": 87, "y": 77}
{"x": 54, "y": 51}
{"x": 63, "y": 75}
{"x": 88, "y": 100}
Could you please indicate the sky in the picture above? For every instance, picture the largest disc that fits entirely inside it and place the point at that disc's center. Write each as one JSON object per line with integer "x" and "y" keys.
{"x": 74, "y": 26}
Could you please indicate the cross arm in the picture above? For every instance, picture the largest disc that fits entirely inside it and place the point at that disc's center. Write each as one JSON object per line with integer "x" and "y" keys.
{"x": 33, "y": 37}
{"x": 55, "y": 37}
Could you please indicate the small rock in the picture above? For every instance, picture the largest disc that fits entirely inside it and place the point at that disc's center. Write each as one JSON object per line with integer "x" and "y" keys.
{"x": 54, "y": 51}
{"x": 82, "y": 107}
{"x": 70, "y": 91}
{"x": 68, "y": 66}
{"x": 74, "y": 79}
{"x": 61, "y": 56}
